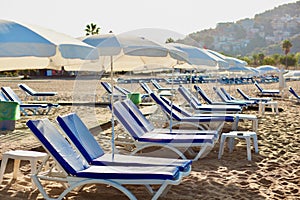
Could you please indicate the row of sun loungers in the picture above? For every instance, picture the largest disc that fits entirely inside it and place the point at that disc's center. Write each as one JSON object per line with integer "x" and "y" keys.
{"x": 7, "y": 94}
{"x": 80, "y": 160}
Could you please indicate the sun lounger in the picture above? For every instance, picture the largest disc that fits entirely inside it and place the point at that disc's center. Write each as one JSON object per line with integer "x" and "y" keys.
{"x": 162, "y": 91}
{"x": 127, "y": 92}
{"x": 148, "y": 90}
{"x": 225, "y": 100}
{"x": 116, "y": 96}
{"x": 264, "y": 92}
{"x": 225, "y": 117}
{"x": 76, "y": 172}
{"x": 258, "y": 99}
{"x": 174, "y": 142}
{"x": 159, "y": 87}
{"x": 147, "y": 126}
{"x": 3, "y": 97}
{"x": 180, "y": 116}
{"x": 294, "y": 93}
{"x": 90, "y": 149}
{"x": 207, "y": 99}
{"x": 194, "y": 102}
{"x": 30, "y": 92}
{"x": 35, "y": 108}
{"x": 231, "y": 98}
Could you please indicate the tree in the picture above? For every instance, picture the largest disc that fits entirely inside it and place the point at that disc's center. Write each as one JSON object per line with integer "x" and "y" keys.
{"x": 92, "y": 29}
{"x": 286, "y": 46}
{"x": 261, "y": 57}
{"x": 170, "y": 40}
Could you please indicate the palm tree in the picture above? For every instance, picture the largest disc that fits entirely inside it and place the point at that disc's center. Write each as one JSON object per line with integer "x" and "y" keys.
{"x": 92, "y": 29}
{"x": 170, "y": 40}
{"x": 286, "y": 46}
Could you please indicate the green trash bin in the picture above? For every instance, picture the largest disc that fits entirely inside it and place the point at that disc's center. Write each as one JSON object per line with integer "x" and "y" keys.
{"x": 9, "y": 113}
{"x": 135, "y": 98}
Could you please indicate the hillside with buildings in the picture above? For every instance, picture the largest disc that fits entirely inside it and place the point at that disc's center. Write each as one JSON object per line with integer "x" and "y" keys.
{"x": 263, "y": 33}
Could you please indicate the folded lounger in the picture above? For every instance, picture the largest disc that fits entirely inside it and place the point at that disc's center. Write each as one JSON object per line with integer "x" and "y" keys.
{"x": 209, "y": 101}
{"x": 175, "y": 142}
{"x": 24, "y": 107}
{"x": 247, "y": 97}
{"x": 204, "y": 108}
{"x": 266, "y": 92}
{"x": 90, "y": 149}
{"x": 293, "y": 92}
{"x": 226, "y": 117}
{"x": 30, "y": 92}
{"x": 76, "y": 172}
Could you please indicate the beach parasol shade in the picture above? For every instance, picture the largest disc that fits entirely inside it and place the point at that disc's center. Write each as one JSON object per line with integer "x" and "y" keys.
{"x": 233, "y": 62}
{"x": 132, "y": 52}
{"x": 267, "y": 69}
{"x": 199, "y": 58}
{"x": 24, "y": 46}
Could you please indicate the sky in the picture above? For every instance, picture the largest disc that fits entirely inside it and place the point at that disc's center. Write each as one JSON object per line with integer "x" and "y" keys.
{"x": 179, "y": 17}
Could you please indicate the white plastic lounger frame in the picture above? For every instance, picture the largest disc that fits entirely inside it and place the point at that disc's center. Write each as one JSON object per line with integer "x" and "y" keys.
{"x": 76, "y": 172}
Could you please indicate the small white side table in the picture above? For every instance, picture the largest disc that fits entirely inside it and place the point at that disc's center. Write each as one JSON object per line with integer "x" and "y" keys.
{"x": 262, "y": 107}
{"x": 238, "y": 134}
{"x": 18, "y": 155}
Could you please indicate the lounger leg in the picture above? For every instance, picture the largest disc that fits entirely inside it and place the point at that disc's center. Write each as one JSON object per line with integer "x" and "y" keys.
{"x": 160, "y": 191}
{"x": 221, "y": 148}
{"x": 16, "y": 168}
{"x": 248, "y": 148}
{"x": 203, "y": 152}
{"x": 3, "y": 166}
{"x": 166, "y": 191}
{"x": 231, "y": 144}
{"x": 255, "y": 143}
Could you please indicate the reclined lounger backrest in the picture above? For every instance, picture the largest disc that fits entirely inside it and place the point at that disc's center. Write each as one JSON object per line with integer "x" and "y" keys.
{"x": 77, "y": 131}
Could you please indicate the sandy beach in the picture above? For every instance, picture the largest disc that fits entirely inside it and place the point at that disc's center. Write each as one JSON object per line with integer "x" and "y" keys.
{"x": 273, "y": 173}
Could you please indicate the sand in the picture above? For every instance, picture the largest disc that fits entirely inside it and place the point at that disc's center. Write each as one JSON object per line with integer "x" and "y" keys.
{"x": 272, "y": 174}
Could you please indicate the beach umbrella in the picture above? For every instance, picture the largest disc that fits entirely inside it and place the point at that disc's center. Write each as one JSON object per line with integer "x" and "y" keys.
{"x": 126, "y": 52}
{"x": 239, "y": 69}
{"x": 24, "y": 46}
{"x": 131, "y": 52}
{"x": 231, "y": 60}
{"x": 264, "y": 69}
{"x": 199, "y": 58}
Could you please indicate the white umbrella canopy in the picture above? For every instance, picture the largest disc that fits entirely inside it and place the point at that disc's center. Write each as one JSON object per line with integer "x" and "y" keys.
{"x": 267, "y": 69}
{"x": 25, "y": 46}
{"x": 231, "y": 61}
{"x": 200, "y": 58}
{"x": 130, "y": 52}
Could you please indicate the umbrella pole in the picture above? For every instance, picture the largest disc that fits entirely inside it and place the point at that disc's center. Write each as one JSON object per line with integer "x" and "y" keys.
{"x": 172, "y": 86}
{"x": 112, "y": 109}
